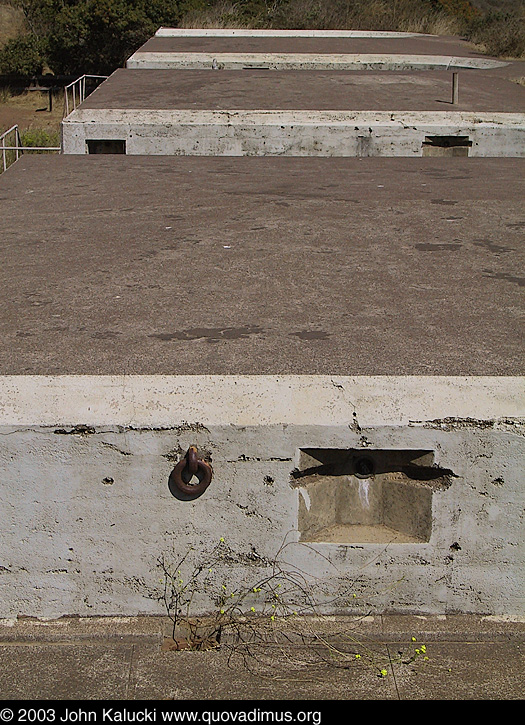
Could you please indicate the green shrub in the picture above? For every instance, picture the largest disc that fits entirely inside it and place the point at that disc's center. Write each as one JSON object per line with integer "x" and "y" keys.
{"x": 40, "y": 137}
{"x": 22, "y": 56}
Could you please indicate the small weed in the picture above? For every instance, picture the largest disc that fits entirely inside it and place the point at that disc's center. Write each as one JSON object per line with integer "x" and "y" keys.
{"x": 279, "y": 608}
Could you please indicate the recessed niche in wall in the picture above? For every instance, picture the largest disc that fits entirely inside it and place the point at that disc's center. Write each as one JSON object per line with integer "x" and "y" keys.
{"x": 360, "y": 496}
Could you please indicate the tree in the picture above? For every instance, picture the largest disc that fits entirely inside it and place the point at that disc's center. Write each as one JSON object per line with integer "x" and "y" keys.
{"x": 23, "y": 56}
{"x": 96, "y": 36}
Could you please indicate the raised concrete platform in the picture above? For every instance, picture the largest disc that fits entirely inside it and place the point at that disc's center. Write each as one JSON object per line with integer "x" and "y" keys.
{"x": 299, "y": 113}
{"x": 306, "y": 61}
{"x": 326, "y": 332}
{"x": 323, "y": 93}
{"x": 281, "y": 49}
{"x": 199, "y": 90}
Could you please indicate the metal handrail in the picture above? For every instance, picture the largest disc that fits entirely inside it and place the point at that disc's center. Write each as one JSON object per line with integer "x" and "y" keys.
{"x": 31, "y": 148}
{"x": 81, "y": 92}
{"x": 4, "y": 148}
{"x": 17, "y": 147}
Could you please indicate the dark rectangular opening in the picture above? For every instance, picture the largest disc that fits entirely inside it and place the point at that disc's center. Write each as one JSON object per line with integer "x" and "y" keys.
{"x": 446, "y": 145}
{"x": 446, "y": 142}
{"x": 106, "y": 146}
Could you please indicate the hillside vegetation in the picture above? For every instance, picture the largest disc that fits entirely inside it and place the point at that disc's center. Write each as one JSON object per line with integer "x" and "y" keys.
{"x": 96, "y": 36}
{"x": 11, "y": 23}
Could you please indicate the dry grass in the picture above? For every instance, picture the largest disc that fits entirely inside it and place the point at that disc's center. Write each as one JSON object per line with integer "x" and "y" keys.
{"x": 223, "y": 15}
{"x": 30, "y": 112}
{"x": 401, "y": 15}
{"x": 11, "y": 23}
{"x": 500, "y": 36}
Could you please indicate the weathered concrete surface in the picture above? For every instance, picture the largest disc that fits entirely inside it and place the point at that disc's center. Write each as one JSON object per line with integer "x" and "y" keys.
{"x": 306, "y": 61}
{"x": 480, "y": 91}
{"x": 293, "y": 133}
{"x": 298, "y": 113}
{"x": 319, "y": 44}
{"x": 261, "y": 266}
{"x": 121, "y": 659}
{"x": 85, "y": 462}
{"x": 240, "y": 40}
{"x": 94, "y": 503}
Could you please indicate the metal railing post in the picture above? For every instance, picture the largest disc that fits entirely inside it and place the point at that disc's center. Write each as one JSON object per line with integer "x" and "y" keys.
{"x": 455, "y": 89}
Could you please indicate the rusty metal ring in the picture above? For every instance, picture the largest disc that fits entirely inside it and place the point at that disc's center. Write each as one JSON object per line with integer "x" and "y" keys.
{"x": 193, "y": 460}
{"x": 204, "y": 473}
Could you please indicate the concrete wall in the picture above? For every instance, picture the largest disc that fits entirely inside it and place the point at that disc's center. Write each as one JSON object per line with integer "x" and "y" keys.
{"x": 291, "y": 133}
{"x": 86, "y": 511}
{"x": 306, "y": 61}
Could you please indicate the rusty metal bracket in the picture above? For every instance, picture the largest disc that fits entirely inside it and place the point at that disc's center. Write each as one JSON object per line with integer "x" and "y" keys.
{"x": 188, "y": 467}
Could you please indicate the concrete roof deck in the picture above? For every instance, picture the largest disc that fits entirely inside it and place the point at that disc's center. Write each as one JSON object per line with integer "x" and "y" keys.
{"x": 409, "y": 45}
{"x": 314, "y": 90}
{"x": 186, "y": 265}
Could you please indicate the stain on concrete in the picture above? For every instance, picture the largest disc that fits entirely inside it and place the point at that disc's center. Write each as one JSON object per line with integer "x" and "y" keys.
{"x": 116, "y": 448}
{"x": 520, "y": 281}
{"x": 190, "y": 427}
{"x": 452, "y": 423}
{"x": 310, "y": 335}
{"x": 443, "y": 202}
{"x": 211, "y": 334}
{"x": 492, "y": 246}
{"x": 438, "y": 247}
{"x": 76, "y": 430}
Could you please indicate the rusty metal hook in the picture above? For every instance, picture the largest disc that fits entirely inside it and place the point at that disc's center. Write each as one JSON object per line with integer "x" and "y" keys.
{"x": 194, "y": 466}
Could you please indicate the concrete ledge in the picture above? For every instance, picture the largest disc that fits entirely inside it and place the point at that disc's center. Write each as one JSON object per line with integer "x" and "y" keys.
{"x": 259, "y": 400}
{"x": 307, "y": 61}
{"x": 278, "y": 33}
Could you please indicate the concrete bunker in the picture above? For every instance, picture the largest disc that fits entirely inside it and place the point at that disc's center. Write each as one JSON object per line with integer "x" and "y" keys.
{"x": 106, "y": 146}
{"x": 446, "y": 146}
{"x": 367, "y": 496}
